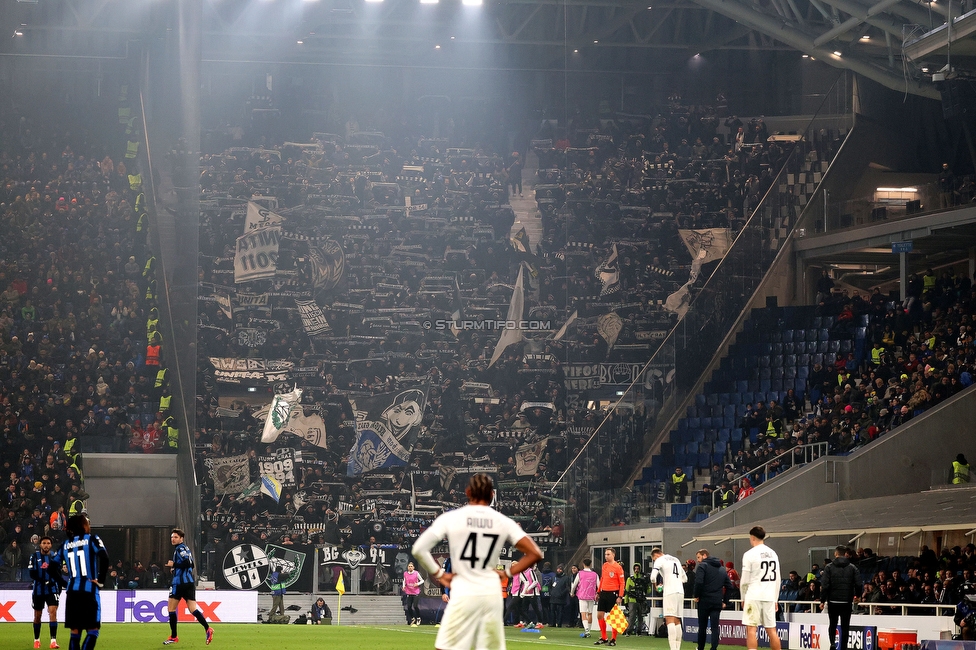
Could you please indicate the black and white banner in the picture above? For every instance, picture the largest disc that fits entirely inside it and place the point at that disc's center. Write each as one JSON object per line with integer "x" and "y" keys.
{"x": 259, "y": 216}
{"x": 313, "y": 320}
{"x": 230, "y": 475}
{"x": 280, "y": 466}
{"x": 257, "y": 254}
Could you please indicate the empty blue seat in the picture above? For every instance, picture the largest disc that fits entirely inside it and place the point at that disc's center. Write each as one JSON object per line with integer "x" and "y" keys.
{"x": 802, "y": 360}
{"x": 833, "y": 347}
{"x": 724, "y": 399}
{"x": 765, "y": 385}
{"x": 723, "y": 435}
{"x": 711, "y": 435}
{"x": 789, "y": 372}
{"x": 777, "y": 348}
{"x": 705, "y": 459}
{"x": 728, "y": 411}
{"x": 699, "y": 400}
{"x": 698, "y": 435}
{"x": 694, "y": 423}
{"x": 776, "y": 373}
{"x": 682, "y": 424}
{"x": 816, "y": 358}
{"x": 823, "y": 334}
{"x": 860, "y": 333}
{"x": 776, "y": 384}
{"x": 720, "y": 446}
{"x": 788, "y": 336}
{"x": 812, "y": 334}
{"x": 789, "y": 348}
{"x": 845, "y": 347}
{"x": 800, "y": 386}
{"x": 799, "y": 335}
{"x": 818, "y": 322}
{"x": 736, "y": 398}
{"x": 776, "y": 361}
{"x": 865, "y": 319}
{"x": 764, "y": 361}
{"x": 728, "y": 421}
{"x": 691, "y": 448}
{"x": 803, "y": 372}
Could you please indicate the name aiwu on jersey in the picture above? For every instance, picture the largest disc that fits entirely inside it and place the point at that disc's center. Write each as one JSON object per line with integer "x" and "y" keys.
{"x": 476, "y": 535}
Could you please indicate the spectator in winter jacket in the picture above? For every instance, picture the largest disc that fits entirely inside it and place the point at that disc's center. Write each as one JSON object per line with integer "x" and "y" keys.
{"x": 559, "y": 597}
{"x": 713, "y": 588}
{"x": 840, "y": 586}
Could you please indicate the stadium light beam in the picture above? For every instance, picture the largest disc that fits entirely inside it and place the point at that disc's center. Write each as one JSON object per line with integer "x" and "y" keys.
{"x": 472, "y": 3}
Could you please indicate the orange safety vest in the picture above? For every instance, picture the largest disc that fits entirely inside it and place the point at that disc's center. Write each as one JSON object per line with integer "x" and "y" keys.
{"x": 152, "y": 355}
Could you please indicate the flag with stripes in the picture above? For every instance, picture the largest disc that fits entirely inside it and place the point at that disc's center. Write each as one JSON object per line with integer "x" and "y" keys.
{"x": 271, "y": 486}
{"x": 609, "y": 274}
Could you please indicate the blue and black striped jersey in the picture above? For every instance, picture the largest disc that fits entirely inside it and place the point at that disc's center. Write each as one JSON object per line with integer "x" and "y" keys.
{"x": 86, "y": 560}
{"x": 45, "y": 571}
{"x": 182, "y": 565}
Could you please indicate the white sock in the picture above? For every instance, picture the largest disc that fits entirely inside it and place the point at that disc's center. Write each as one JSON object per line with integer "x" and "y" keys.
{"x": 586, "y": 626}
{"x": 674, "y": 636}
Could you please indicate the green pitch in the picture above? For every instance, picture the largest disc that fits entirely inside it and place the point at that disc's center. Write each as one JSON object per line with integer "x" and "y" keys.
{"x": 136, "y": 636}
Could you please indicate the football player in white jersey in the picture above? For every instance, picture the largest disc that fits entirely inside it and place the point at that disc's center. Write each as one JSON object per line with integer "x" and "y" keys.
{"x": 674, "y": 577}
{"x": 761, "y": 578}
{"x": 475, "y": 536}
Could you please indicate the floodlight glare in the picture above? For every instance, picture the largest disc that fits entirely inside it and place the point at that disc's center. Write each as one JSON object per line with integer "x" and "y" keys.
{"x": 428, "y": 2}
{"x": 472, "y": 3}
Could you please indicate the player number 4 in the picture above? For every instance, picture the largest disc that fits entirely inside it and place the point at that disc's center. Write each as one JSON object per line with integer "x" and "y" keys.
{"x": 470, "y": 550}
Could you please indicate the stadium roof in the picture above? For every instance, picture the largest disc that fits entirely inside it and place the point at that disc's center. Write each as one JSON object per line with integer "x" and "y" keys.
{"x": 936, "y": 510}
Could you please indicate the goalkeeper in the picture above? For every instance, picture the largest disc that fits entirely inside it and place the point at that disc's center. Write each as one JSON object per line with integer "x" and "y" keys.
{"x": 635, "y": 597}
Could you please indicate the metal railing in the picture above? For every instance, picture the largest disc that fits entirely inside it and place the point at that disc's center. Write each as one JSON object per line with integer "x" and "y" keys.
{"x": 807, "y": 454}
{"x": 813, "y": 607}
{"x": 893, "y": 204}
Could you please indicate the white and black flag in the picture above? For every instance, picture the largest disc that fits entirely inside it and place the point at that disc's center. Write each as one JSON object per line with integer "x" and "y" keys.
{"x": 230, "y": 475}
{"x": 313, "y": 320}
{"x": 609, "y": 274}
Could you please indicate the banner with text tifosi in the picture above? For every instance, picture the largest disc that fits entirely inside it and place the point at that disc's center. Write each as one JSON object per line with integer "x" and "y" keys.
{"x": 145, "y": 606}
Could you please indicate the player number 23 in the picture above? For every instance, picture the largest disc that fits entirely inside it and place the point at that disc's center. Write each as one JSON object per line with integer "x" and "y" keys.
{"x": 769, "y": 571}
{"x": 470, "y": 550}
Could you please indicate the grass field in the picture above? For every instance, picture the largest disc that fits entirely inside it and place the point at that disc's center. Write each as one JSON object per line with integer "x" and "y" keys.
{"x": 133, "y": 636}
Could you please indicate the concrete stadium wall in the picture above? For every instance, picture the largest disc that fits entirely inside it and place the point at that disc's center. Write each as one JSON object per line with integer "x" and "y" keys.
{"x": 131, "y": 489}
{"x": 909, "y": 460}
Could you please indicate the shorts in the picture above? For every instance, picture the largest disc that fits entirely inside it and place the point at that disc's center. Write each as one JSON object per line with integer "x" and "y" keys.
{"x": 48, "y": 600}
{"x": 673, "y": 605}
{"x": 759, "y": 613}
{"x": 606, "y": 601}
{"x": 472, "y": 623}
{"x": 185, "y": 592}
{"x": 587, "y": 607}
{"x": 82, "y": 611}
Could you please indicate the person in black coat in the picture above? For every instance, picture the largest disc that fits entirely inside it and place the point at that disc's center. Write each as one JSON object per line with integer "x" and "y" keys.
{"x": 712, "y": 590}
{"x": 559, "y": 597}
{"x": 839, "y": 589}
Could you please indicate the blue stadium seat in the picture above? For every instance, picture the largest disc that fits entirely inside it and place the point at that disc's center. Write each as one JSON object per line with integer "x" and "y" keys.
{"x": 704, "y": 459}
{"x": 789, "y": 372}
{"x": 776, "y": 373}
{"x": 765, "y": 373}
{"x": 803, "y": 372}
{"x": 735, "y": 398}
{"x": 833, "y": 347}
{"x": 788, "y": 336}
{"x": 777, "y": 348}
{"x": 803, "y": 360}
{"x": 742, "y": 386}
{"x": 777, "y": 384}
{"x": 682, "y": 424}
{"x": 699, "y": 400}
{"x": 845, "y": 347}
{"x": 789, "y": 348}
{"x": 823, "y": 334}
{"x": 694, "y": 423}
{"x": 776, "y": 361}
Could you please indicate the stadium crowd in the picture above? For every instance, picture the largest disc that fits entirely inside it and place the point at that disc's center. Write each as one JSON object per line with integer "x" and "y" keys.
{"x": 388, "y": 238}
{"x": 75, "y": 317}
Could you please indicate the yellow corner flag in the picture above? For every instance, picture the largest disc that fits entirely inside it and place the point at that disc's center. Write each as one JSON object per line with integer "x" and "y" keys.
{"x": 341, "y": 588}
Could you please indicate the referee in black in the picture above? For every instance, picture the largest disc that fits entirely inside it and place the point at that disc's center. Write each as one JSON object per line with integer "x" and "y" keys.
{"x": 839, "y": 589}
{"x": 712, "y": 590}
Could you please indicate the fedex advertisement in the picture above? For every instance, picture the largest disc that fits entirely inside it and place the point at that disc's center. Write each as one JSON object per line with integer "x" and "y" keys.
{"x": 145, "y": 606}
{"x": 817, "y": 637}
